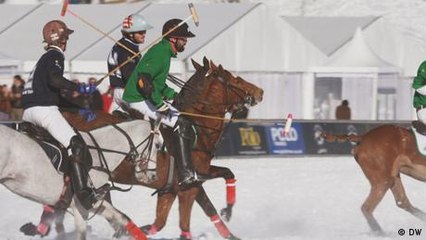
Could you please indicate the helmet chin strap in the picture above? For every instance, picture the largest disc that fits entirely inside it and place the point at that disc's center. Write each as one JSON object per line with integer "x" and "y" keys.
{"x": 173, "y": 44}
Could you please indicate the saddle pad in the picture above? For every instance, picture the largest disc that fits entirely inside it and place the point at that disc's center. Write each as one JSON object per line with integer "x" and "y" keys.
{"x": 55, "y": 155}
{"x": 421, "y": 141}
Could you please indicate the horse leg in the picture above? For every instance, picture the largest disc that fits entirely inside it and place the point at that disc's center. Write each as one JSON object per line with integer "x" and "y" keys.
{"x": 164, "y": 204}
{"x": 119, "y": 221}
{"x": 186, "y": 201}
{"x": 208, "y": 208}
{"x": 228, "y": 175}
{"x": 402, "y": 201}
{"x": 79, "y": 221}
{"x": 59, "y": 221}
{"x": 43, "y": 228}
{"x": 377, "y": 192}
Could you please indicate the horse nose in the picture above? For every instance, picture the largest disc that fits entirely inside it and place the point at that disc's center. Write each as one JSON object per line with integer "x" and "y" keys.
{"x": 260, "y": 95}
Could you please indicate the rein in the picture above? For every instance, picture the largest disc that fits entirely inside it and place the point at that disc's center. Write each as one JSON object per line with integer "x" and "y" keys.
{"x": 132, "y": 154}
{"x": 228, "y": 87}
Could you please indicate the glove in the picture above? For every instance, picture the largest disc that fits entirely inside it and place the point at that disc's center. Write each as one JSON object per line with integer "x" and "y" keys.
{"x": 86, "y": 88}
{"x": 88, "y": 114}
{"x": 164, "y": 110}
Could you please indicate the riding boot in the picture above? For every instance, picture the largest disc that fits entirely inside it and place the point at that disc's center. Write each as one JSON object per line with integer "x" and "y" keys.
{"x": 184, "y": 136}
{"x": 79, "y": 174}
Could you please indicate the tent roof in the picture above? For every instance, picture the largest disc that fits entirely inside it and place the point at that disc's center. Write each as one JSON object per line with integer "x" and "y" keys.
{"x": 328, "y": 34}
{"x": 262, "y": 41}
{"x": 357, "y": 54}
{"x": 20, "y": 31}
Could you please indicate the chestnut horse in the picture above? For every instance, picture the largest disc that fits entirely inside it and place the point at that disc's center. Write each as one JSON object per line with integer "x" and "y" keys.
{"x": 383, "y": 153}
{"x": 207, "y": 96}
{"x": 211, "y": 91}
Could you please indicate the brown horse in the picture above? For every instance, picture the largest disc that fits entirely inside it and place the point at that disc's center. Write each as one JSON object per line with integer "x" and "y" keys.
{"x": 211, "y": 91}
{"x": 207, "y": 96}
{"x": 383, "y": 154}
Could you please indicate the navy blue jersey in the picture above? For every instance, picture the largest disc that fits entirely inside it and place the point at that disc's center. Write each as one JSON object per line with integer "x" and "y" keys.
{"x": 46, "y": 81}
{"x": 116, "y": 57}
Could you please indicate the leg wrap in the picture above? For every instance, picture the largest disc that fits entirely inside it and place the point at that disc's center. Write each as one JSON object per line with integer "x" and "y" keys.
{"x": 46, "y": 220}
{"x": 186, "y": 235}
{"x": 220, "y": 226}
{"x": 135, "y": 231}
{"x": 153, "y": 230}
{"x": 230, "y": 191}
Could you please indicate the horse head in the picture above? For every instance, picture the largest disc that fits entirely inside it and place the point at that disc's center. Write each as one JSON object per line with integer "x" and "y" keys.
{"x": 214, "y": 90}
{"x": 239, "y": 93}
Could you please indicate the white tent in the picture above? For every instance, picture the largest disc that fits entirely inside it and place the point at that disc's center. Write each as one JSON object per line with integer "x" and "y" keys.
{"x": 270, "y": 53}
{"x": 356, "y": 73}
{"x": 252, "y": 40}
{"x": 88, "y": 48}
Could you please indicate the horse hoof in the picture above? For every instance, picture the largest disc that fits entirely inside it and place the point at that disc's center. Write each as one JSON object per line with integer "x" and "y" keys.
{"x": 232, "y": 237}
{"x": 182, "y": 237}
{"x": 29, "y": 229}
{"x": 145, "y": 229}
{"x": 226, "y": 214}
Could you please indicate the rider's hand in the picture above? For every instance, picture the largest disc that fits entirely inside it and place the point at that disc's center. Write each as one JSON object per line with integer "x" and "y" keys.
{"x": 164, "y": 110}
{"x": 86, "y": 88}
{"x": 88, "y": 114}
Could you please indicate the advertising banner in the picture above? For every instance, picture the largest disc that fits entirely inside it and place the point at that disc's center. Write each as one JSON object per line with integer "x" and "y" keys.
{"x": 278, "y": 143}
{"x": 249, "y": 139}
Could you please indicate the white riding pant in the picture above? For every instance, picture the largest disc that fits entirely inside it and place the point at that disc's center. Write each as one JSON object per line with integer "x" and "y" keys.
{"x": 51, "y": 119}
{"x": 146, "y": 108}
{"x": 118, "y": 100}
{"x": 421, "y": 115}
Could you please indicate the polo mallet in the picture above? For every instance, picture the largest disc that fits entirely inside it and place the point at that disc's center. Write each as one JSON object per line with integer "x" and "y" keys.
{"x": 193, "y": 16}
{"x": 65, "y": 10}
{"x": 288, "y": 123}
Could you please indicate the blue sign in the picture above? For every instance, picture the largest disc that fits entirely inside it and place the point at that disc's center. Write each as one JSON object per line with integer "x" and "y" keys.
{"x": 293, "y": 143}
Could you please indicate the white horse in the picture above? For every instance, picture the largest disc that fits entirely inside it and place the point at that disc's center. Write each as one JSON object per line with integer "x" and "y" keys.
{"x": 26, "y": 170}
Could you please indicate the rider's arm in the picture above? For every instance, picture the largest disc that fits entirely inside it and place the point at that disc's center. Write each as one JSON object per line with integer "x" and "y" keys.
{"x": 59, "y": 82}
{"x": 419, "y": 82}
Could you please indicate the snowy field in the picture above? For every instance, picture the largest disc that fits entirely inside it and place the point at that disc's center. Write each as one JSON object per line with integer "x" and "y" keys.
{"x": 277, "y": 198}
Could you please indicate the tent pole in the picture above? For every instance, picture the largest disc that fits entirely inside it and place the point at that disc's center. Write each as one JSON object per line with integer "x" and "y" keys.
{"x": 374, "y": 94}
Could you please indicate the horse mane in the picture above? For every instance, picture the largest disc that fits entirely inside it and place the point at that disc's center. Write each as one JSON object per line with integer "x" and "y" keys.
{"x": 192, "y": 90}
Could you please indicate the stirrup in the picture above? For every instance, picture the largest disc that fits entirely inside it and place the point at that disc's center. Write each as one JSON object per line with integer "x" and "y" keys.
{"x": 190, "y": 182}
{"x": 93, "y": 196}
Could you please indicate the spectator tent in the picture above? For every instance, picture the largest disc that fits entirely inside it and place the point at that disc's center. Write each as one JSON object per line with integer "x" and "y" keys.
{"x": 251, "y": 40}
{"x": 356, "y": 73}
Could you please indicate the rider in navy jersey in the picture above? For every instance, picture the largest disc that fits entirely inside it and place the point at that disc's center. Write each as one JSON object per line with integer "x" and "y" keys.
{"x": 133, "y": 29}
{"x": 40, "y": 99}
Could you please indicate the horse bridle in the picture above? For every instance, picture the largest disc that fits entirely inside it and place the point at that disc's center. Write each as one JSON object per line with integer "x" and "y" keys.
{"x": 248, "y": 100}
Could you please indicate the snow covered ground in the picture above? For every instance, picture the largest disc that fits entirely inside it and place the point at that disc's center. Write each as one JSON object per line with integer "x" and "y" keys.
{"x": 277, "y": 198}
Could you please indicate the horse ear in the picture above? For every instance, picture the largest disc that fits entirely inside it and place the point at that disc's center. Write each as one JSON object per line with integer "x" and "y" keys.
{"x": 212, "y": 65}
{"x": 206, "y": 62}
{"x": 220, "y": 68}
{"x": 196, "y": 65}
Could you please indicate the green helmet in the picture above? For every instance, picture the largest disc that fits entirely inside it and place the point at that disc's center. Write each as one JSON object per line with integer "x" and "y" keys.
{"x": 135, "y": 23}
{"x": 181, "y": 31}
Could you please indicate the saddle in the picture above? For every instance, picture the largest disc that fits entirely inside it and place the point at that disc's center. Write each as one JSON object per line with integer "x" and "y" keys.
{"x": 56, "y": 153}
{"x": 54, "y": 150}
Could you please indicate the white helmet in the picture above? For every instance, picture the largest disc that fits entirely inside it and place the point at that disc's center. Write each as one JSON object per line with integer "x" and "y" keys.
{"x": 134, "y": 23}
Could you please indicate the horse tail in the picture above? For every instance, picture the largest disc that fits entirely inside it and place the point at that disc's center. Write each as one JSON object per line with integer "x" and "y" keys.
{"x": 329, "y": 137}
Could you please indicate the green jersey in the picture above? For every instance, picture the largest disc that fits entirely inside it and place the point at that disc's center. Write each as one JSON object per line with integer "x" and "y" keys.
{"x": 156, "y": 63}
{"x": 418, "y": 82}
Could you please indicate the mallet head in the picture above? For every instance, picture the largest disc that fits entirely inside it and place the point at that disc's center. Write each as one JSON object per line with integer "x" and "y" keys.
{"x": 193, "y": 14}
{"x": 64, "y": 7}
